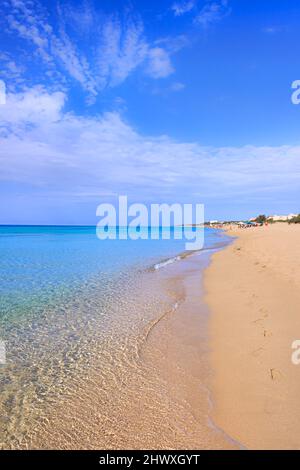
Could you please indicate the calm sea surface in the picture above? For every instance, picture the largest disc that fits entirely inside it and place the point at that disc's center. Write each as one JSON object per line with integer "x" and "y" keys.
{"x": 72, "y": 306}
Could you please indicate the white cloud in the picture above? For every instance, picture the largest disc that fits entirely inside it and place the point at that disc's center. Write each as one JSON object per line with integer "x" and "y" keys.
{"x": 62, "y": 155}
{"x": 180, "y": 8}
{"x": 159, "y": 63}
{"x": 122, "y": 50}
{"x": 32, "y": 108}
{"x": 106, "y": 53}
{"x": 177, "y": 86}
{"x": 212, "y": 12}
{"x": 272, "y": 29}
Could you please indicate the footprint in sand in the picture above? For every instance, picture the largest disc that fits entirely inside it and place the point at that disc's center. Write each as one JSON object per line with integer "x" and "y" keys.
{"x": 267, "y": 333}
{"x": 257, "y": 352}
{"x": 275, "y": 374}
{"x": 264, "y": 310}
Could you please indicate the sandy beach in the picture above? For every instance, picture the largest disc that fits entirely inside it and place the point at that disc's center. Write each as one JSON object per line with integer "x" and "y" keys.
{"x": 202, "y": 359}
{"x": 252, "y": 290}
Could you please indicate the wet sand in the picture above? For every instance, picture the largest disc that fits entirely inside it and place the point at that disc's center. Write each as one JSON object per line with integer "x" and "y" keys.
{"x": 252, "y": 290}
{"x": 178, "y": 350}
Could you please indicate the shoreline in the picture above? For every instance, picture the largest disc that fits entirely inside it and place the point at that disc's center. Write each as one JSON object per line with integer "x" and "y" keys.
{"x": 251, "y": 289}
{"x": 178, "y": 349}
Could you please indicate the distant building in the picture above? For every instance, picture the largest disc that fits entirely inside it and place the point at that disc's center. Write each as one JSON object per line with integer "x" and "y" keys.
{"x": 212, "y": 222}
{"x": 281, "y": 218}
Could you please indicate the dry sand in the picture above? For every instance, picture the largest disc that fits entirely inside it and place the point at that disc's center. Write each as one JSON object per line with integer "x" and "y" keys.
{"x": 253, "y": 291}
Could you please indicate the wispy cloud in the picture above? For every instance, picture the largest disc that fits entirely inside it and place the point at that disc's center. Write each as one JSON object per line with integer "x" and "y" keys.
{"x": 159, "y": 63}
{"x": 177, "y": 86}
{"x": 84, "y": 45}
{"x": 11, "y": 71}
{"x": 272, "y": 29}
{"x": 182, "y": 7}
{"x": 61, "y": 153}
{"x": 121, "y": 50}
{"x": 212, "y": 12}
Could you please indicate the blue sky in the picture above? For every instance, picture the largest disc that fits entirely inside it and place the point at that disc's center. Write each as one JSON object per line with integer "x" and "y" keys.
{"x": 170, "y": 101}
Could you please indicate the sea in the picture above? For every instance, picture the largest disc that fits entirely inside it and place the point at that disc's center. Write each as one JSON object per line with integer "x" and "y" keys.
{"x": 75, "y": 315}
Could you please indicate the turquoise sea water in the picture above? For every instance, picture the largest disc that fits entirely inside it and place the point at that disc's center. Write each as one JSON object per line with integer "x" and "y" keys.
{"x": 67, "y": 298}
{"x": 37, "y": 264}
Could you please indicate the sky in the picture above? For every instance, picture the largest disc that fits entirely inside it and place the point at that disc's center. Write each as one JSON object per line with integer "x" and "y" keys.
{"x": 183, "y": 101}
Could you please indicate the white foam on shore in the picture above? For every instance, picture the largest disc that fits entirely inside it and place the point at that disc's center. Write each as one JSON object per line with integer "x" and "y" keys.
{"x": 166, "y": 262}
{"x": 172, "y": 260}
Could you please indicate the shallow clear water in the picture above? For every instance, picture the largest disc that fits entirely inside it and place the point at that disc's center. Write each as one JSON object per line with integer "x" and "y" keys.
{"x": 72, "y": 306}
{"x": 40, "y": 264}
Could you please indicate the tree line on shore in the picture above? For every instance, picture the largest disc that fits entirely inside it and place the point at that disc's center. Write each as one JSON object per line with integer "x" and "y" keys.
{"x": 261, "y": 219}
